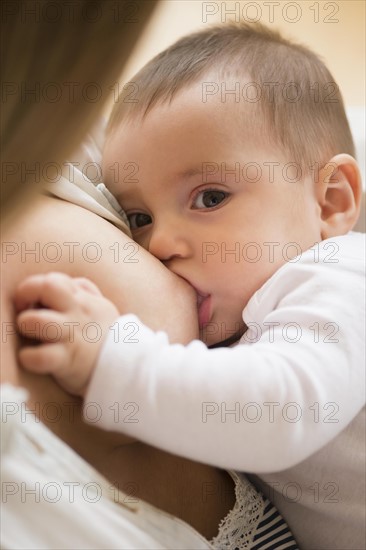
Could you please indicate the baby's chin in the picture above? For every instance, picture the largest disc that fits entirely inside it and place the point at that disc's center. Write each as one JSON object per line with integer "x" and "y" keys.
{"x": 214, "y": 336}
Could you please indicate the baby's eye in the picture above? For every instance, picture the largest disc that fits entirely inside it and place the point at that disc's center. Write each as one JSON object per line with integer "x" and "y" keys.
{"x": 138, "y": 220}
{"x": 209, "y": 198}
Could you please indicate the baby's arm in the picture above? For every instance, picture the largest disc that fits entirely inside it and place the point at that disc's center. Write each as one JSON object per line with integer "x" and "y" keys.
{"x": 67, "y": 309}
{"x": 263, "y": 407}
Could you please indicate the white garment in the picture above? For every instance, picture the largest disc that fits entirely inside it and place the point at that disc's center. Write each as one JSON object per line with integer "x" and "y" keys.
{"x": 51, "y": 499}
{"x": 291, "y": 402}
{"x": 81, "y": 181}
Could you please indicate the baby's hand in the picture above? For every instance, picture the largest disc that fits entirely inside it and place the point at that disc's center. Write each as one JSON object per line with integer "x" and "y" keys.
{"x": 70, "y": 321}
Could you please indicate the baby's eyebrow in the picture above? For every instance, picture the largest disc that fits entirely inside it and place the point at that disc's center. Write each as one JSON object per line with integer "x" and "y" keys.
{"x": 189, "y": 174}
{"x": 207, "y": 175}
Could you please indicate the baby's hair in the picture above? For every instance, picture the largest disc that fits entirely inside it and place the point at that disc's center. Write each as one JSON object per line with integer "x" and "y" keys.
{"x": 300, "y": 106}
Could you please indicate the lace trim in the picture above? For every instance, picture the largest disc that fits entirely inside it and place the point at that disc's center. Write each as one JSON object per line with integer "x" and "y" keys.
{"x": 238, "y": 528}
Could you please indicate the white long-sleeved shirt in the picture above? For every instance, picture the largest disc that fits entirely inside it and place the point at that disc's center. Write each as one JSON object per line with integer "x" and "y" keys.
{"x": 285, "y": 398}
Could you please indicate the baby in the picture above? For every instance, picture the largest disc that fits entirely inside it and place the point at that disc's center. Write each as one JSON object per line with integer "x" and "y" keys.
{"x": 235, "y": 168}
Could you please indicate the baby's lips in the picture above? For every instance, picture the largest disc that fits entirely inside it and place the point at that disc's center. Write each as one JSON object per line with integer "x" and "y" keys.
{"x": 204, "y": 310}
{"x": 200, "y": 298}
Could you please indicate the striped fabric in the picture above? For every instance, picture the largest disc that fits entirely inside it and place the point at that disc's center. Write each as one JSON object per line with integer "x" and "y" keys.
{"x": 273, "y": 532}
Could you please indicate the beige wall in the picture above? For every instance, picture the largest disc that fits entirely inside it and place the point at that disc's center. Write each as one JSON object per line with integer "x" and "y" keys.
{"x": 335, "y": 30}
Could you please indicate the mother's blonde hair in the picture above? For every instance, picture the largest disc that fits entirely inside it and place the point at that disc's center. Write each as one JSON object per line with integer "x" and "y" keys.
{"x": 59, "y": 62}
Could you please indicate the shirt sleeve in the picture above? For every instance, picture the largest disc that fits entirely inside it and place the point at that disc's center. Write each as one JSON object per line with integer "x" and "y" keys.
{"x": 292, "y": 384}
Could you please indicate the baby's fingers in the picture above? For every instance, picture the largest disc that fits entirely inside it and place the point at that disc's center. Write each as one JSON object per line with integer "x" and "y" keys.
{"x": 45, "y": 358}
{"x": 88, "y": 285}
{"x": 45, "y": 325}
{"x": 53, "y": 290}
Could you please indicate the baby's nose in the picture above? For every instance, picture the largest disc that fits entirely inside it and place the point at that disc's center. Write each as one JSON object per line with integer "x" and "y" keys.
{"x": 168, "y": 241}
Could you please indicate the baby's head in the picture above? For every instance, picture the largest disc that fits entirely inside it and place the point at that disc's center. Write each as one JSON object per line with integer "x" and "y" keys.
{"x": 231, "y": 154}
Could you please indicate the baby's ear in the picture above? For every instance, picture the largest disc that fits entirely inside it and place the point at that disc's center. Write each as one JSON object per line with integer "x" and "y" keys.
{"x": 339, "y": 192}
